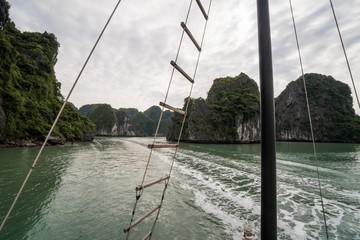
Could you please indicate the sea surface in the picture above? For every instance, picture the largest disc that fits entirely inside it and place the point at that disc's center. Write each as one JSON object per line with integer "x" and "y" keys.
{"x": 87, "y": 190}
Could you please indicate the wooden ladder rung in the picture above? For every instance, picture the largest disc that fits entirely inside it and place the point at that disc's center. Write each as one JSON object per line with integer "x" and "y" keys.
{"x": 190, "y": 36}
{"x": 172, "y": 108}
{"x": 141, "y": 219}
{"x": 147, "y": 235}
{"x": 162, "y": 145}
{"x": 151, "y": 183}
{"x": 181, "y": 71}
{"x": 202, "y": 9}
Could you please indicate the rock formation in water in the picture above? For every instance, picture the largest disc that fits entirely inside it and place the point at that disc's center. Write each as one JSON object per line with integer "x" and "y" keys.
{"x": 126, "y": 122}
{"x": 230, "y": 114}
{"x": 333, "y": 116}
{"x": 30, "y": 95}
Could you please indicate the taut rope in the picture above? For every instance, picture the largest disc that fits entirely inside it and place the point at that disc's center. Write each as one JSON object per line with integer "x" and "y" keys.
{"x": 345, "y": 55}
{"x": 57, "y": 118}
{"x": 311, "y": 126}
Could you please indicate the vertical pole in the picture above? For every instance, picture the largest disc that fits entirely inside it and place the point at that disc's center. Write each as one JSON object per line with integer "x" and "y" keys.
{"x": 268, "y": 155}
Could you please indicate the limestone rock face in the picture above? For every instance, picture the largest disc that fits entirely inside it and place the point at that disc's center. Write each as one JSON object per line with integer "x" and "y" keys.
{"x": 333, "y": 117}
{"x": 111, "y": 122}
{"x": 230, "y": 114}
{"x": 103, "y": 131}
{"x": 248, "y": 130}
{"x": 126, "y": 129}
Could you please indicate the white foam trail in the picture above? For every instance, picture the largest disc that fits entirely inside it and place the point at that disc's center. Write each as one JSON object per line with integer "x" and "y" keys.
{"x": 311, "y": 167}
{"x": 242, "y": 200}
{"x": 216, "y": 191}
{"x": 233, "y": 224}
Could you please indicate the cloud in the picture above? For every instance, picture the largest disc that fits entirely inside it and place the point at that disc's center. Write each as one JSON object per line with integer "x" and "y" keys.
{"x": 130, "y": 67}
{"x": 319, "y": 42}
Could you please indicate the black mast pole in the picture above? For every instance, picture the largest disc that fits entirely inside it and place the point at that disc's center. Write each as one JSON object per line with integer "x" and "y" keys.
{"x": 268, "y": 155}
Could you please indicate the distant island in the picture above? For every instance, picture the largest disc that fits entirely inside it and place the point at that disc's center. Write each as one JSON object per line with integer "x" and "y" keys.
{"x": 126, "y": 122}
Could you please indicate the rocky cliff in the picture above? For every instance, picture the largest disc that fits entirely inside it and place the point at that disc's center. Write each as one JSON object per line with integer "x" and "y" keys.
{"x": 30, "y": 95}
{"x": 333, "y": 116}
{"x": 230, "y": 114}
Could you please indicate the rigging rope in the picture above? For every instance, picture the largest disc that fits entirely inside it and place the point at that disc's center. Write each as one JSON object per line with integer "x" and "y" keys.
{"x": 58, "y": 116}
{"x": 346, "y": 58}
{"x": 309, "y": 114}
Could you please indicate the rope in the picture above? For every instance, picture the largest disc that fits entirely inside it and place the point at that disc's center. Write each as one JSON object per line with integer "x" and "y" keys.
{"x": 346, "y": 58}
{"x": 57, "y": 118}
{"x": 311, "y": 126}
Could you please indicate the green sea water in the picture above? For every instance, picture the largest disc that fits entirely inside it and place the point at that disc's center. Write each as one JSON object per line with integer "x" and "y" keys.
{"x": 86, "y": 190}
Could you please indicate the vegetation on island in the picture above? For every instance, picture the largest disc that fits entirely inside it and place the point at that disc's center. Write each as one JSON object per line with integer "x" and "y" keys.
{"x": 30, "y": 95}
{"x": 230, "y": 97}
{"x": 103, "y": 116}
{"x": 143, "y": 124}
{"x": 86, "y": 110}
{"x": 129, "y": 111}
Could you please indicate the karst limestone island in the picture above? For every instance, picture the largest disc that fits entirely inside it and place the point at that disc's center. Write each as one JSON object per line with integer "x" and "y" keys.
{"x": 30, "y": 99}
{"x": 30, "y": 95}
{"x": 231, "y": 112}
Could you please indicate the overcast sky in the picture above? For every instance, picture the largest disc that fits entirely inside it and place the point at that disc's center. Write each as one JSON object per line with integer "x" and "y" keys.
{"x": 130, "y": 67}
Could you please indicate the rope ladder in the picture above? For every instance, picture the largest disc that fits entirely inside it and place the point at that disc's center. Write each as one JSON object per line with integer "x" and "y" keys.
{"x": 165, "y": 179}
